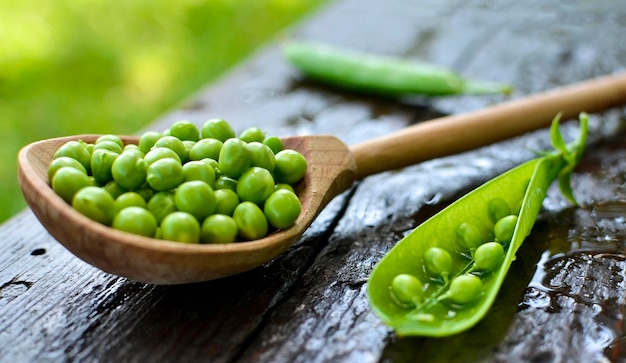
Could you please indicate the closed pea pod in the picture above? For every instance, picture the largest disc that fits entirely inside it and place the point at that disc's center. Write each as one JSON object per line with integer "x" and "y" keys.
{"x": 457, "y": 305}
{"x": 388, "y": 76}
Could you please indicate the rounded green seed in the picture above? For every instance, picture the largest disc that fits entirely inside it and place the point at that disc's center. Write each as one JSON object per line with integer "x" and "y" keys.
{"x": 438, "y": 262}
{"x": 498, "y": 208}
{"x": 407, "y": 288}
{"x": 505, "y": 228}
{"x": 468, "y": 236}
{"x": 464, "y": 289}
{"x": 488, "y": 256}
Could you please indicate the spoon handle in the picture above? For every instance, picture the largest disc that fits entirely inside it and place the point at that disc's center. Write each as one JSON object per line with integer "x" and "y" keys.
{"x": 458, "y": 133}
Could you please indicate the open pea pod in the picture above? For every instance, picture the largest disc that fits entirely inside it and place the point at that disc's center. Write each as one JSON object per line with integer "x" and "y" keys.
{"x": 443, "y": 277}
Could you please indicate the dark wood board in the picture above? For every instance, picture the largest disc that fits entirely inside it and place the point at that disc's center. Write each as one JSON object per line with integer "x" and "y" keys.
{"x": 564, "y": 297}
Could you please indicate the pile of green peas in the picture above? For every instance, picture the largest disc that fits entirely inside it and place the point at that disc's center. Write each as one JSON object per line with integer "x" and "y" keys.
{"x": 483, "y": 254}
{"x": 187, "y": 184}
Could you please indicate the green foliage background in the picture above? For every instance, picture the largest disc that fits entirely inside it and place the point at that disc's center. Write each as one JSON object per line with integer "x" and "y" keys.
{"x": 76, "y": 66}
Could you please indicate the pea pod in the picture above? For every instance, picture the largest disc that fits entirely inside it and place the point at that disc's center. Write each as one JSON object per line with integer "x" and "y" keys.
{"x": 445, "y": 308}
{"x": 381, "y": 75}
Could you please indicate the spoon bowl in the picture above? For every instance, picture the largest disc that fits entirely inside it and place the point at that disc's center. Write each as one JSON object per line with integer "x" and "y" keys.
{"x": 157, "y": 261}
{"x": 333, "y": 167}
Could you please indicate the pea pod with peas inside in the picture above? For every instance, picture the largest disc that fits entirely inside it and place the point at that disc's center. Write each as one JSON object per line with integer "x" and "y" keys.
{"x": 381, "y": 75}
{"x": 438, "y": 280}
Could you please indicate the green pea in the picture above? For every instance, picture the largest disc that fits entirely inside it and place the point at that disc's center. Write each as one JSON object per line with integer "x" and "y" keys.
{"x": 498, "y": 208}
{"x": 180, "y": 227}
{"x": 217, "y": 129}
{"x": 164, "y": 174}
{"x": 407, "y": 288}
{"x": 185, "y": 130}
{"x": 234, "y": 158}
{"x": 129, "y": 170}
{"x": 108, "y": 145}
{"x": 215, "y": 165}
{"x": 129, "y": 199}
{"x": 62, "y": 161}
{"x": 505, "y": 228}
{"x": 224, "y": 182}
{"x": 135, "y": 220}
{"x": 282, "y": 208}
{"x": 199, "y": 170}
{"x": 284, "y": 186}
{"x": 290, "y": 166}
{"x": 101, "y": 164}
{"x": 67, "y": 181}
{"x": 173, "y": 143}
{"x": 464, "y": 289}
{"x": 469, "y": 237}
{"x": 110, "y": 138}
{"x": 226, "y": 201}
{"x": 255, "y": 185}
{"x": 76, "y": 150}
{"x": 158, "y": 153}
{"x": 147, "y": 140}
{"x": 188, "y": 146}
{"x": 161, "y": 204}
{"x": 113, "y": 188}
{"x": 262, "y": 156}
{"x": 252, "y": 134}
{"x": 274, "y": 143}
{"x": 251, "y": 222}
{"x": 133, "y": 149}
{"x": 438, "y": 262}
{"x": 218, "y": 228}
{"x": 196, "y": 198}
{"x": 206, "y": 148}
{"x": 488, "y": 256}
{"x": 95, "y": 203}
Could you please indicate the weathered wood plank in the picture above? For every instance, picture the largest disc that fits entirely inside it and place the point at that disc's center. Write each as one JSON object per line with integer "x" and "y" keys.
{"x": 310, "y": 304}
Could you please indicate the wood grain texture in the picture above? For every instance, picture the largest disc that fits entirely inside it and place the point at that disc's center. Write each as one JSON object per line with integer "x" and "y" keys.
{"x": 564, "y": 298}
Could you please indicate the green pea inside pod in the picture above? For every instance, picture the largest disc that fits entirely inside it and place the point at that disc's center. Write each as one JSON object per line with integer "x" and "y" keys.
{"x": 468, "y": 236}
{"x": 262, "y": 156}
{"x": 76, "y": 150}
{"x": 438, "y": 262}
{"x": 234, "y": 158}
{"x": 185, "y": 130}
{"x": 206, "y": 148}
{"x": 505, "y": 228}
{"x": 165, "y": 174}
{"x": 129, "y": 170}
{"x": 147, "y": 140}
{"x": 95, "y": 203}
{"x": 180, "y": 227}
{"x": 161, "y": 204}
{"x": 196, "y": 198}
{"x": 282, "y": 208}
{"x": 252, "y": 134}
{"x": 102, "y": 163}
{"x": 255, "y": 185}
{"x": 218, "y": 228}
{"x": 497, "y": 208}
{"x": 407, "y": 289}
{"x": 251, "y": 222}
{"x": 488, "y": 256}
{"x": 67, "y": 181}
{"x": 62, "y": 161}
{"x": 290, "y": 166}
{"x": 217, "y": 128}
{"x": 135, "y": 220}
{"x": 464, "y": 289}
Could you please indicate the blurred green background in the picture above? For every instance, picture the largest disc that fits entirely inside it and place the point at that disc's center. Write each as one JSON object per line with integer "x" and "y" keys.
{"x": 75, "y": 66}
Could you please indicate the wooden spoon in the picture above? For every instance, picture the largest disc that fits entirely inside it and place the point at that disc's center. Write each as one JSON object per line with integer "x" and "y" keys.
{"x": 333, "y": 167}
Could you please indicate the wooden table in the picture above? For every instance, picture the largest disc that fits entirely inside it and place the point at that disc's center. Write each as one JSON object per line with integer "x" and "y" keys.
{"x": 564, "y": 298}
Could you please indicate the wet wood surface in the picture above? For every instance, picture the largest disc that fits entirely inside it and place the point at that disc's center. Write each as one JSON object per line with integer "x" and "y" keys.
{"x": 564, "y": 298}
